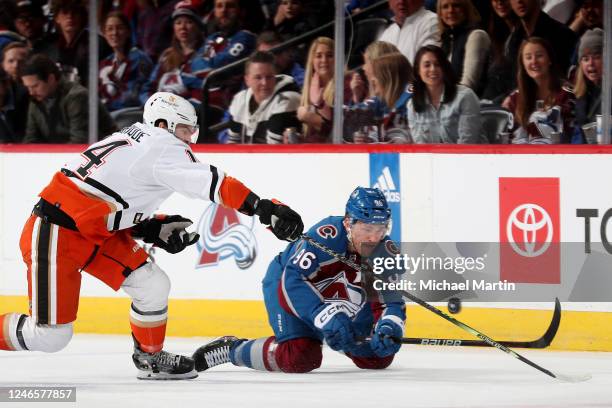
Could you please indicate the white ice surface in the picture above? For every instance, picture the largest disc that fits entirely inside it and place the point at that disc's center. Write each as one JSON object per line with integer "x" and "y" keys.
{"x": 101, "y": 369}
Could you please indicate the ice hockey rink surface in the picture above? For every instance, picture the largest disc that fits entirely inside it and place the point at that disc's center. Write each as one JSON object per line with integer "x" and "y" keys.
{"x": 101, "y": 369}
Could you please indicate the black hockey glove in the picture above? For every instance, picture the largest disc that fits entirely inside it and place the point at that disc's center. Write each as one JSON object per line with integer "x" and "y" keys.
{"x": 166, "y": 232}
{"x": 285, "y": 223}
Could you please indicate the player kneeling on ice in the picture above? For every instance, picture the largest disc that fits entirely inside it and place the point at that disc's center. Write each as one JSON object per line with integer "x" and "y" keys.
{"x": 90, "y": 213}
{"x": 311, "y": 296}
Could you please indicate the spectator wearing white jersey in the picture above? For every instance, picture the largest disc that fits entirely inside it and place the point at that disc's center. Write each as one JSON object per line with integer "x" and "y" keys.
{"x": 260, "y": 113}
{"x": 413, "y": 27}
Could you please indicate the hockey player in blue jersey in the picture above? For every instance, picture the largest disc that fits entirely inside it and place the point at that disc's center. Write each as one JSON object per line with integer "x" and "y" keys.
{"x": 311, "y": 296}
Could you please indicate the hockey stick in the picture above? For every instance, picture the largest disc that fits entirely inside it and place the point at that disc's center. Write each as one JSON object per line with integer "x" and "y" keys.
{"x": 480, "y": 335}
{"x": 540, "y": 343}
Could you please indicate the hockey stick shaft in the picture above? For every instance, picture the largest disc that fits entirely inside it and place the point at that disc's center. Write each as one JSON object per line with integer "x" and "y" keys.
{"x": 540, "y": 343}
{"x": 451, "y": 319}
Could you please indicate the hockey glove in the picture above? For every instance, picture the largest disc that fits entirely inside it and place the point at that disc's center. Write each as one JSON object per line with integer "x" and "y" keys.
{"x": 285, "y": 223}
{"x": 336, "y": 325}
{"x": 382, "y": 342}
{"x": 166, "y": 232}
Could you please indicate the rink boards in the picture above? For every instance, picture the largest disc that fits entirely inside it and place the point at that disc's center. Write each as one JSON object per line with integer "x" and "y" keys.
{"x": 456, "y": 194}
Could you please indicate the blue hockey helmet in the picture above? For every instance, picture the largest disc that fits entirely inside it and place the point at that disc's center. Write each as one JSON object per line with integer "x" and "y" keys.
{"x": 368, "y": 205}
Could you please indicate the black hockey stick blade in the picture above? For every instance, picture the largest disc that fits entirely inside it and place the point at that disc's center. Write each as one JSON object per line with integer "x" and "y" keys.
{"x": 540, "y": 343}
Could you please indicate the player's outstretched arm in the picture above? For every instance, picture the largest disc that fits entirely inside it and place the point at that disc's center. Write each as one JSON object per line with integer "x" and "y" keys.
{"x": 285, "y": 223}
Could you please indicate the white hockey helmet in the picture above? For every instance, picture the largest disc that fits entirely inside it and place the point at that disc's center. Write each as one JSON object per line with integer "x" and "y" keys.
{"x": 175, "y": 110}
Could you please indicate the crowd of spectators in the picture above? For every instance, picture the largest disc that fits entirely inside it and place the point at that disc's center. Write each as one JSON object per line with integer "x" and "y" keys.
{"x": 429, "y": 77}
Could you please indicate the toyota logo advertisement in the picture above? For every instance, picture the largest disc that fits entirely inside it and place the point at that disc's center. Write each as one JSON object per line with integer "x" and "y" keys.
{"x": 525, "y": 225}
{"x": 529, "y": 229}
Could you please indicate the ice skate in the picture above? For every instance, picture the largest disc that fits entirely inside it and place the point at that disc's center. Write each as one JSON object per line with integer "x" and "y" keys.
{"x": 163, "y": 365}
{"x": 214, "y": 353}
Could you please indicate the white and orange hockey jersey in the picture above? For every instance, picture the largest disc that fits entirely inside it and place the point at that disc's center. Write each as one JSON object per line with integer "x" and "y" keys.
{"x": 122, "y": 179}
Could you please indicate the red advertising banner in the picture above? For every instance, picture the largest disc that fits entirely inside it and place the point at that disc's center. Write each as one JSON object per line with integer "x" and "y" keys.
{"x": 529, "y": 230}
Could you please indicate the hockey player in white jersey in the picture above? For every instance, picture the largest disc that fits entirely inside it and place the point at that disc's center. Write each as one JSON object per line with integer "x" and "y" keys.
{"x": 90, "y": 213}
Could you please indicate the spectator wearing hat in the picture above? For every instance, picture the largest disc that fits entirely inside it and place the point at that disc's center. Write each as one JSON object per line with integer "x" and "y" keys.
{"x": 58, "y": 111}
{"x": 124, "y": 72}
{"x": 175, "y": 70}
{"x": 30, "y": 23}
{"x": 588, "y": 81}
{"x": 8, "y": 11}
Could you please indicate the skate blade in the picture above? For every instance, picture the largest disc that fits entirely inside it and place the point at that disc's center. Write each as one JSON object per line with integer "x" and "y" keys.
{"x": 147, "y": 375}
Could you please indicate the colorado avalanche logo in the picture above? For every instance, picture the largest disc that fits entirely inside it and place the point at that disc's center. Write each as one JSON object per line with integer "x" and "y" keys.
{"x": 225, "y": 233}
{"x": 340, "y": 289}
{"x": 327, "y": 231}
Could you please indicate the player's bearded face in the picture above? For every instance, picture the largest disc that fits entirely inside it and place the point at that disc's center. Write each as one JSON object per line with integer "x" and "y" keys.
{"x": 365, "y": 237}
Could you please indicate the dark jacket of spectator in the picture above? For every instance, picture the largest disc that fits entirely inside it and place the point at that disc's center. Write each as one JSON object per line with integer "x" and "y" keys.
{"x": 454, "y": 41}
{"x": 587, "y": 108}
{"x": 562, "y": 39}
{"x": 294, "y": 27}
{"x": 13, "y": 110}
{"x": 64, "y": 118}
{"x": 74, "y": 57}
{"x": 500, "y": 80}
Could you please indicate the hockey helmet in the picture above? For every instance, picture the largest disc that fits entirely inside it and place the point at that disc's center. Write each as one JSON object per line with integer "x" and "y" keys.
{"x": 173, "y": 109}
{"x": 368, "y": 205}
